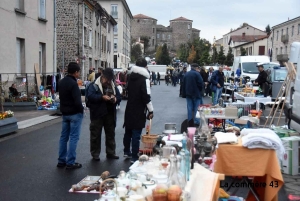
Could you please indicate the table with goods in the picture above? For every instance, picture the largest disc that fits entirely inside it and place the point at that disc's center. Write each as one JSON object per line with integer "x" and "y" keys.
{"x": 190, "y": 166}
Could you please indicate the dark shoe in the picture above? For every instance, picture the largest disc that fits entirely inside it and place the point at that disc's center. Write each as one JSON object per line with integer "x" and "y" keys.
{"x": 61, "y": 165}
{"x": 96, "y": 158}
{"x": 74, "y": 166}
{"x": 111, "y": 156}
{"x": 127, "y": 155}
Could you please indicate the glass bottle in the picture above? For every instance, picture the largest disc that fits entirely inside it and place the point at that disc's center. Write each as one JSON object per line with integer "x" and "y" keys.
{"x": 175, "y": 177}
{"x": 203, "y": 128}
{"x": 185, "y": 165}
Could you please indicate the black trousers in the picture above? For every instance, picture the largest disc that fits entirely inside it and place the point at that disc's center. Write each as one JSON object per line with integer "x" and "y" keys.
{"x": 108, "y": 122}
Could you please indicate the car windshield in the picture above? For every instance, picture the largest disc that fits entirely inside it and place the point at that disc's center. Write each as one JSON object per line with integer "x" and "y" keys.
{"x": 266, "y": 66}
{"x": 250, "y": 67}
{"x": 280, "y": 75}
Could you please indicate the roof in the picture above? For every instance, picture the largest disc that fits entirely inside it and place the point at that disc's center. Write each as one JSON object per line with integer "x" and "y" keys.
{"x": 142, "y": 16}
{"x": 243, "y": 27}
{"x": 246, "y": 38}
{"x": 286, "y": 22}
{"x": 193, "y": 29}
{"x": 181, "y": 19}
{"x": 159, "y": 26}
{"x": 261, "y": 38}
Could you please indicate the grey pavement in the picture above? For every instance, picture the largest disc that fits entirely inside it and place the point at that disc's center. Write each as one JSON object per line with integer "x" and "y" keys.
{"x": 29, "y": 157}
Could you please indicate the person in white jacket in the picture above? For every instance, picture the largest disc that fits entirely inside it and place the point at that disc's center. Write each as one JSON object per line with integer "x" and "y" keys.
{"x": 120, "y": 88}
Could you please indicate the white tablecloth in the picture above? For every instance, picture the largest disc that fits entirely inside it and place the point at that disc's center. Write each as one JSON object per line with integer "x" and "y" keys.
{"x": 217, "y": 116}
{"x": 252, "y": 100}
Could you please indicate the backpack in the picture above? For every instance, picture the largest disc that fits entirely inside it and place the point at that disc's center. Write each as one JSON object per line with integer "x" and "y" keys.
{"x": 87, "y": 103}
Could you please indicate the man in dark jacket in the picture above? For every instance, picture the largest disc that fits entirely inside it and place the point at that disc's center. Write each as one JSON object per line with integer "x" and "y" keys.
{"x": 139, "y": 102}
{"x": 72, "y": 111}
{"x": 103, "y": 96}
{"x": 191, "y": 90}
{"x": 262, "y": 76}
{"x": 181, "y": 76}
{"x": 209, "y": 75}
{"x": 217, "y": 84}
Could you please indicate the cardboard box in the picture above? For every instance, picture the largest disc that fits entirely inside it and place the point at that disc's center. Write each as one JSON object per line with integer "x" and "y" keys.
{"x": 231, "y": 111}
{"x": 291, "y": 160}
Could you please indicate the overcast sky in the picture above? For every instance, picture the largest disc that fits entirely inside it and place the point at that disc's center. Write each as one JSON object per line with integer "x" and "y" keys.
{"x": 217, "y": 17}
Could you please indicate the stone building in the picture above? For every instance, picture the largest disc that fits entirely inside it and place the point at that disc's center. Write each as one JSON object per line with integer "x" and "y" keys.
{"x": 120, "y": 11}
{"x": 85, "y": 40}
{"x": 143, "y": 25}
{"x": 281, "y": 39}
{"x": 179, "y": 31}
{"x": 26, "y": 37}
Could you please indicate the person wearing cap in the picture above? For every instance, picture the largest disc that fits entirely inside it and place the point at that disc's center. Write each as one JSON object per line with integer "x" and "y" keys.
{"x": 192, "y": 91}
{"x": 262, "y": 76}
{"x": 139, "y": 102}
{"x": 103, "y": 97}
{"x": 72, "y": 115}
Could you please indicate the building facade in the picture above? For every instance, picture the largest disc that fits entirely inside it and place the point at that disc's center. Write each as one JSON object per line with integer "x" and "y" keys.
{"x": 179, "y": 31}
{"x": 84, "y": 34}
{"x": 254, "y": 47}
{"x": 26, "y": 36}
{"x": 283, "y": 35}
{"x": 246, "y": 30}
{"x": 120, "y": 11}
{"x": 144, "y": 26}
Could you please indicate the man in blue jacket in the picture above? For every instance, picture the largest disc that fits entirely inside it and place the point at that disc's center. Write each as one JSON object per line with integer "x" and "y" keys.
{"x": 217, "y": 84}
{"x": 103, "y": 96}
{"x": 191, "y": 90}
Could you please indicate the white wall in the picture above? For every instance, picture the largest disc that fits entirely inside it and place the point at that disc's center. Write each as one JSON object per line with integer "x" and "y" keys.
{"x": 15, "y": 25}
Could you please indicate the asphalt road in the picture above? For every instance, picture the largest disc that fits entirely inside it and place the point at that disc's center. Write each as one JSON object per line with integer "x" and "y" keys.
{"x": 28, "y": 159}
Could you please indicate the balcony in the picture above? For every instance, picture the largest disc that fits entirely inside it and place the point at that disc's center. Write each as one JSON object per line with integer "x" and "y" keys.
{"x": 114, "y": 14}
{"x": 282, "y": 57}
{"x": 285, "y": 38}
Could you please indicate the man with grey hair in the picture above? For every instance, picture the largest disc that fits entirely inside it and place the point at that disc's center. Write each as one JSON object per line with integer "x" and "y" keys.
{"x": 192, "y": 91}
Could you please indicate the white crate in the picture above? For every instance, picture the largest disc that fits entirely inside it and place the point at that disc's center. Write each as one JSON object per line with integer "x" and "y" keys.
{"x": 291, "y": 162}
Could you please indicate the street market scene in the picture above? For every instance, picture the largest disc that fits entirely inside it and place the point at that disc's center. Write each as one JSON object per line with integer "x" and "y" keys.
{"x": 126, "y": 100}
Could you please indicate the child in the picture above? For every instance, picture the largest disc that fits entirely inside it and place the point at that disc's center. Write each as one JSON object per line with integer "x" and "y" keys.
{"x": 120, "y": 88}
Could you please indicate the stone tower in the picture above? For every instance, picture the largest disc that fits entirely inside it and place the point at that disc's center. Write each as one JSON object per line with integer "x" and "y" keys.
{"x": 182, "y": 31}
{"x": 143, "y": 25}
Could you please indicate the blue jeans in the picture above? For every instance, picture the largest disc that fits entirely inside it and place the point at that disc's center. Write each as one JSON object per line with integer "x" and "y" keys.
{"x": 192, "y": 107}
{"x": 217, "y": 95}
{"x": 132, "y": 137}
{"x": 71, "y": 126}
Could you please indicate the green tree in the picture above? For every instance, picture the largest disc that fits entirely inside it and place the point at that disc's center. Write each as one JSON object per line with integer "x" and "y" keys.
{"x": 165, "y": 58}
{"x": 229, "y": 57}
{"x": 243, "y": 51}
{"x": 136, "y": 52}
{"x": 183, "y": 52}
{"x": 221, "y": 56}
{"x": 146, "y": 43}
{"x": 158, "y": 54}
{"x": 268, "y": 29}
{"x": 214, "y": 57}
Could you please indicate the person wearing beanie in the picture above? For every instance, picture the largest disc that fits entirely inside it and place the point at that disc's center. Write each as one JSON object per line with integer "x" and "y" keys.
{"x": 139, "y": 102}
{"x": 103, "y": 96}
{"x": 72, "y": 115}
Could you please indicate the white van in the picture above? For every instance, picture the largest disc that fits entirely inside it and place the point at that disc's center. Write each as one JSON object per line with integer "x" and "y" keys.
{"x": 248, "y": 65}
{"x": 158, "y": 68}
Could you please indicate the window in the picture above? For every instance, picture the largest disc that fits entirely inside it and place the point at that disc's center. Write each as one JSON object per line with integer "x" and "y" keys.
{"x": 116, "y": 29}
{"x": 153, "y": 30}
{"x": 276, "y": 52}
{"x": 261, "y": 50}
{"x": 42, "y": 8}
{"x": 292, "y": 30}
{"x": 189, "y": 36}
{"x": 250, "y": 51}
{"x": 281, "y": 32}
{"x": 169, "y": 36}
{"x": 115, "y": 44}
{"x": 298, "y": 29}
{"x": 163, "y": 36}
{"x": 280, "y": 50}
{"x": 157, "y": 35}
{"x": 287, "y": 31}
{"x": 152, "y": 42}
{"x": 90, "y": 15}
{"x": 42, "y": 57}
{"x": 286, "y": 50}
{"x": 20, "y": 55}
{"x": 90, "y": 38}
{"x": 20, "y": 4}
{"x": 98, "y": 41}
{"x": 108, "y": 27}
{"x": 277, "y": 35}
{"x": 85, "y": 35}
{"x": 189, "y": 26}
{"x": 114, "y": 11}
{"x": 95, "y": 40}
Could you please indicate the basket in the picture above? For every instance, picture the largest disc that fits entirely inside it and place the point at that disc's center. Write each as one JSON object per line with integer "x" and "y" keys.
{"x": 149, "y": 138}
